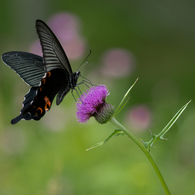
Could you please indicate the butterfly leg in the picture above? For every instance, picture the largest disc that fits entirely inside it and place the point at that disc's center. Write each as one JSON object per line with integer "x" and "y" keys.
{"x": 85, "y": 80}
{"x": 73, "y": 94}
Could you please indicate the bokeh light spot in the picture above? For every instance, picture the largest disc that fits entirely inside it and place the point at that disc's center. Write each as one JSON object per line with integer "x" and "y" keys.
{"x": 139, "y": 118}
{"x": 117, "y": 62}
{"x": 13, "y": 141}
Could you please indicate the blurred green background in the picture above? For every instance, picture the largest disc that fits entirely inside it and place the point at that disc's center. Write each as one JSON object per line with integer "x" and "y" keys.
{"x": 157, "y": 40}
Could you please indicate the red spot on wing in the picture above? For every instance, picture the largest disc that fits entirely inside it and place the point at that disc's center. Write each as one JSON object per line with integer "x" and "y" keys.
{"x": 47, "y": 103}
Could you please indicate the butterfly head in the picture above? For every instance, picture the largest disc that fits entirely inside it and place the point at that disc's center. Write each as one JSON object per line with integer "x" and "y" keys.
{"x": 77, "y": 74}
{"x": 74, "y": 78}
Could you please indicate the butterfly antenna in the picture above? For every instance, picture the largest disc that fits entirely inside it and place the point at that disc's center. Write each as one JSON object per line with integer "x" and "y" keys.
{"x": 85, "y": 61}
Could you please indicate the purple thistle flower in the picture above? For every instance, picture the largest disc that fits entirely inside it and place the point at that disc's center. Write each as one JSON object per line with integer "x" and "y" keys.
{"x": 93, "y": 103}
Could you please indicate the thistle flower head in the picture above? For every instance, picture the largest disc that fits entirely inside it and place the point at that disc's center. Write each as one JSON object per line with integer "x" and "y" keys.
{"x": 93, "y": 103}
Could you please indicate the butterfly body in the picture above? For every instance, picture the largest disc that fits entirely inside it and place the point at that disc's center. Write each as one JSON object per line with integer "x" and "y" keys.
{"x": 48, "y": 75}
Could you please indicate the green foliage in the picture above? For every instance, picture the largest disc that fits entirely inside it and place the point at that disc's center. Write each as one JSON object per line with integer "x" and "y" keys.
{"x": 155, "y": 138}
{"x": 124, "y": 101}
{"x": 36, "y": 158}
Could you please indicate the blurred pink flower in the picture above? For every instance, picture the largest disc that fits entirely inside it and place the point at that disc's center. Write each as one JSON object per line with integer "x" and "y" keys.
{"x": 117, "y": 62}
{"x": 35, "y": 48}
{"x": 139, "y": 118}
{"x": 65, "y": 26}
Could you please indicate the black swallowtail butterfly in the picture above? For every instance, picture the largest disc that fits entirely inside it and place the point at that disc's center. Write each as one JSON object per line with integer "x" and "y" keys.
{"x": 48, "y": 75}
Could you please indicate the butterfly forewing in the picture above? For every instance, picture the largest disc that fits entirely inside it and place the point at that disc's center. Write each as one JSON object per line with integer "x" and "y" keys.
{"x": 29, "y": 66}
{"x": 53, "y": 53}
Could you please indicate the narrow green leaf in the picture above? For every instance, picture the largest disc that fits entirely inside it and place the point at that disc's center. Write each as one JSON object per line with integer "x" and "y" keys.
{"x": 121, "y": 105}
{"x": 96, "y": 145}
{"x": 155, "y": 138}
{"x": 116, "y": 132}
{"x": 172, "y": 121}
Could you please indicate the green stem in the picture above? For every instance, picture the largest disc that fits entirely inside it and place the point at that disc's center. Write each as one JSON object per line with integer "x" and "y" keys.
{"x": 141, "y": 146}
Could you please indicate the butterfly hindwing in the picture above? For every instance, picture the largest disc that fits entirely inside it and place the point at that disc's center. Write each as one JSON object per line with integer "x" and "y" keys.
{"x": 39, "y": 99}
{"x": 61, "y": 94}
{"x": 28, "y": 99}
{"x": 28, "y": 66}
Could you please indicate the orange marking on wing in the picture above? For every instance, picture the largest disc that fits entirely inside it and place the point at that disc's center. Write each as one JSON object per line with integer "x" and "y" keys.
{"x": 48, "y": 74}
{"x": 47, "y": 103}
{"x": 39, "y": 109}
{"x": 43, "y": 81}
